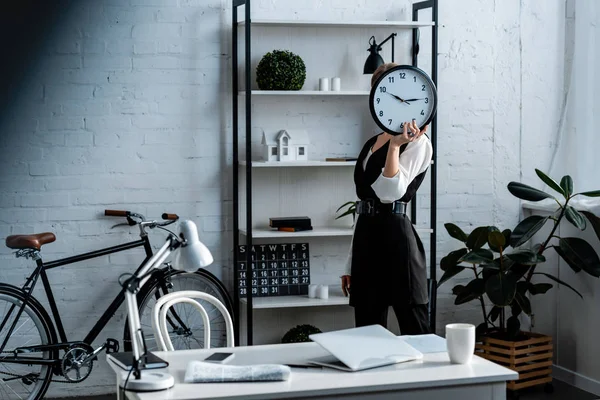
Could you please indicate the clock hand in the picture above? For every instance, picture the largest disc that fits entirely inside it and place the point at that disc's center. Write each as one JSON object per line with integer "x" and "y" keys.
{"x": 414, "y": 99}
{"x": 399, "y": 98}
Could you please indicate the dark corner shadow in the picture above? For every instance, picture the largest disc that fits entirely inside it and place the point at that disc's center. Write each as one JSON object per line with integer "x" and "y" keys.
{"x": 25, "y": 26}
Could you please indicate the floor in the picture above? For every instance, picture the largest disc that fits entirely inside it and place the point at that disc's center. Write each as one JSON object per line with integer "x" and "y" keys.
{"x": 562, "y": 391}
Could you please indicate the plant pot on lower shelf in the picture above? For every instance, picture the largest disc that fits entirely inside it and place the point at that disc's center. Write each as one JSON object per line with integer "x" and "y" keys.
{"x": 530, "y": 355}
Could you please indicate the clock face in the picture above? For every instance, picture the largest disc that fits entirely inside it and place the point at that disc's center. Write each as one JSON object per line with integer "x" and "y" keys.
{"x": 401, "y": 94}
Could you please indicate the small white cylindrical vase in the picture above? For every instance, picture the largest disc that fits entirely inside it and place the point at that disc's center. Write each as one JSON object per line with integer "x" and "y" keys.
{"x": 313, "y": 291}
{"x": 323, "y": 292}
{"x": 460, "y": 342}
{"x": 336, "y": 84}
{"x": 324, "y": 84}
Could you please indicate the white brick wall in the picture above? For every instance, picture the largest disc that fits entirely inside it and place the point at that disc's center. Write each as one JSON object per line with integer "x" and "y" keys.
{"x": 128, "y": 106}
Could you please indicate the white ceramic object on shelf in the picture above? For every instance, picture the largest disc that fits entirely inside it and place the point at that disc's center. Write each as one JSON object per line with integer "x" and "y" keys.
{"x": 324, "y": 84}
{"x": 323, "y": 292}
{"x": 312, "y": 291}
{"x": 336, "y": 84}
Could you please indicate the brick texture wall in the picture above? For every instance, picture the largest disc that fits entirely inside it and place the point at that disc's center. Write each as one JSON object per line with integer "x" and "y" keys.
{"x": 127, "y": 105}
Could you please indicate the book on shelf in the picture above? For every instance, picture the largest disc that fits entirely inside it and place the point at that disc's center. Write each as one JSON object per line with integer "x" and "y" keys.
{"x": 341, "y": 159}
{"x": 294, "y": 229}
{"x": 290, "y": 222}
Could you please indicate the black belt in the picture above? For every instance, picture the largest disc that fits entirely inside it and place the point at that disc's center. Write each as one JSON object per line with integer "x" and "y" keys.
{"x": 373, "y": 207}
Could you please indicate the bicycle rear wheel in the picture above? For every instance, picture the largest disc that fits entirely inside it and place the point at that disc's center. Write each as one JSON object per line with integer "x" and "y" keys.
{"x": 185, "y": 324}
{"x": 33, "y": 327}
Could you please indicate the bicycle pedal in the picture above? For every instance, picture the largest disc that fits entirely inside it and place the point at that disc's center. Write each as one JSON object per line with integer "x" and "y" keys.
{"x": 111, "y": 345}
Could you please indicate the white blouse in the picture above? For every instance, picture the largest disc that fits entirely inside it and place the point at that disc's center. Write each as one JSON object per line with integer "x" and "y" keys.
{"x": 414, "y": 160}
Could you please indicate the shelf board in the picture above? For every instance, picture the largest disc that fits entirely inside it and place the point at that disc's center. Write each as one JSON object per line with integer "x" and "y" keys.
{"x": 296, "y": 301}
{"x": 310, "y": 163}
{"x": 316, "y": 232}
{"x": 306, "y": 93}
{"x": 338, "y": 24}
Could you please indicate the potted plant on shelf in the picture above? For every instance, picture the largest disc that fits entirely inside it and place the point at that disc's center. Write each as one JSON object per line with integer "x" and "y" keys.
{"x": 350, "y": 210}
{"x": 280, "y": 70}
{"x": 504, "y": 273}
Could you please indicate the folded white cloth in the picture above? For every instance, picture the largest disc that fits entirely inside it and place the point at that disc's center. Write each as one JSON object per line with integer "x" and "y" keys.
{"x": 200, "y": 371}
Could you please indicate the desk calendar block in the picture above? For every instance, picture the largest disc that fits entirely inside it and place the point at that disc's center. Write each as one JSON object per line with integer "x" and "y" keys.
{"x": 275, "y": 269}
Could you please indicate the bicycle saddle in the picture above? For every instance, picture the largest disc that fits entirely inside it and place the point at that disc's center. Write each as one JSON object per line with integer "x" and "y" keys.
{"x": 34, "y": 241}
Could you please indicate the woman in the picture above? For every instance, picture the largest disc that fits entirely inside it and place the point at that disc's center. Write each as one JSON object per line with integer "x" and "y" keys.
{"x": 386, "y": 262}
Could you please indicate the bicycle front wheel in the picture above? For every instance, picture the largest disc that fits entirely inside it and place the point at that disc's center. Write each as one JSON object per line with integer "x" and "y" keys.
{"x": 30, "y": 328}
{"x": 184, "y": 323}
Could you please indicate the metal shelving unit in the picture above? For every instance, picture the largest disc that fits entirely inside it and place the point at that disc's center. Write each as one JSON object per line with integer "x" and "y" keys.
{"x": 246, "y": 96}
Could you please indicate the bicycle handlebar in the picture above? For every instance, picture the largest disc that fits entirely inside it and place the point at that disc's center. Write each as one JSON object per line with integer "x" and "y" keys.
{"x": 172, "y": 217}
{"x": 116, "y": 213}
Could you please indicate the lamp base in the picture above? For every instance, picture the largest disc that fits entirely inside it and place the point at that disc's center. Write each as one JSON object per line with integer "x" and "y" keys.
{"x": 150, "y": 381}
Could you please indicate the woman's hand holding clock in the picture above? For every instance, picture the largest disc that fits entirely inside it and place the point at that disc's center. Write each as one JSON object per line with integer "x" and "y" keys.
{"x": 410, "y": 132}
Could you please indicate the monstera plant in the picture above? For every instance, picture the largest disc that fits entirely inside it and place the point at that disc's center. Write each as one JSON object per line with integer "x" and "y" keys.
{"x": 505, "y": 266}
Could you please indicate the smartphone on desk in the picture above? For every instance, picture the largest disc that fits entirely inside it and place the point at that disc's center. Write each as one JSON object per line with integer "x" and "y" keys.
{"x": 219, "y": 357}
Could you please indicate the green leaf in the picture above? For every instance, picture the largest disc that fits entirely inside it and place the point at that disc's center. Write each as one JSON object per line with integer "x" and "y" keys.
{"x": 580, "y": 253}
{"x": 501, "y": 289}
{"x": 550, "y": 182}
{"x": 526, "y": 257}
{"x": 455, "y": 232}
{"x": 507, "y": 235}
{"x": 594, "y": 220}
{"x": 477, "y": 238}
{"x": 495, "y": 313}
{"x": 348, "y": 212}
{"x": 523, "y": 302}
{"x": 479, "y": 256}
{"x": 452, "y": 258}
{"x": 449, "y": 273}
{"x": 593, "y": 193}
{"x": 539, "y": 288}
{"x": 525, "y": 192}
{"x": 574, "y": 217}
{"x": 496, "y": 241}
{"x": 513, "y": 327}
{"x": 576, "y": 268}
{"x": 472, "y": 291}
{"x": 555, "y": 279}
{"x": 457, "y": 289}
{"x": 519, "y": 270}
{"x": 522, "y": 287}
{"x": 346, "y": 204}
{"x": 566, "y": 183}
{"x": 526, "y": 229}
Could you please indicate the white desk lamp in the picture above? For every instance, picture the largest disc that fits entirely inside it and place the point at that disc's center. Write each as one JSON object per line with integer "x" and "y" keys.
{"x": 192, "y": 255}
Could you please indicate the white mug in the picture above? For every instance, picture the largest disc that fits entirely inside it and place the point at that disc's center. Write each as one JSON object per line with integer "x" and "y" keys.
{"x": 312, "y": 291}
{"x": 323, "y": 292}
{"x": 460, "y": 342}
{"x": 324, "y": 84}
{"x": 335, "y": 84}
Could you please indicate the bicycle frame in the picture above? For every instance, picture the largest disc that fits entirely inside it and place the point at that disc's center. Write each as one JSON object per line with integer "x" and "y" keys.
{"x": 40, "y": 271}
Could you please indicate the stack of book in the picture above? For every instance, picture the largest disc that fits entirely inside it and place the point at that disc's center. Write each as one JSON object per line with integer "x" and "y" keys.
{"x": 291, "y": 224}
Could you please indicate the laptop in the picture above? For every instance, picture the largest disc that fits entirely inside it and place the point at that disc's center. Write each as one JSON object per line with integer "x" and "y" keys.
{"x": 366, "y": 347}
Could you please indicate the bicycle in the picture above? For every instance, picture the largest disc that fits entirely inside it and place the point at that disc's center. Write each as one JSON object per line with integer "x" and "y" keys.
{"x": 30, "y": 350}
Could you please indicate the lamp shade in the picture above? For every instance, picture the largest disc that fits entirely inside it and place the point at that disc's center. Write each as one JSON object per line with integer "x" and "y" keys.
{"x": 373, "y": 62}
{"x": 193, "y": 254}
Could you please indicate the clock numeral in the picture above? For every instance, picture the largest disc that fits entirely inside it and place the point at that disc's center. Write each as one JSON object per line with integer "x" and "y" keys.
{"x": 426, "y": 100}
{"x": 381, "y": 113}
{"x": 414, "y": 78}
{"x": 378, "y": 100}
{"x": 402, "y": 75}
{"x": 422, "y": 88}
{"x": 422, "y": 112}
{"x": 391, "y": 79}
{"x": 382, "y": 89}
{"x": 401, "y": 125}
{"x": 389, "y": 121}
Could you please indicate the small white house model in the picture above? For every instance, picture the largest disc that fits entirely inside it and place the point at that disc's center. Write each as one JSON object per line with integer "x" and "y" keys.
{"x": 286, "y": 145}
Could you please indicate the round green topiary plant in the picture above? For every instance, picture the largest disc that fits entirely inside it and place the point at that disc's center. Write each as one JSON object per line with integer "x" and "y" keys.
{"x": 280, "y": 70}
{"x": 299, "y": 334}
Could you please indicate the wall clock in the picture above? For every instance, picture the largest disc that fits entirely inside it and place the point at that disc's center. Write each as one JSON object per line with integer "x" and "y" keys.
{"x": 400, "y": 94}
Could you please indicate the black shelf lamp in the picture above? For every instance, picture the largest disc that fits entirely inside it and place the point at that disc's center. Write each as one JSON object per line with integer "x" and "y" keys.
{"x": 375, "y": 60}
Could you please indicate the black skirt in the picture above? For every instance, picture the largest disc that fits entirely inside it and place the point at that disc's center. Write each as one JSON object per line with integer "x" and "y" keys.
{"x": 388, "y": 262}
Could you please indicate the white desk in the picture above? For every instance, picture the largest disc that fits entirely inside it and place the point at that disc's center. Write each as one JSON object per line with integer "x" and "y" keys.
{"x": 432, "y": 378}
